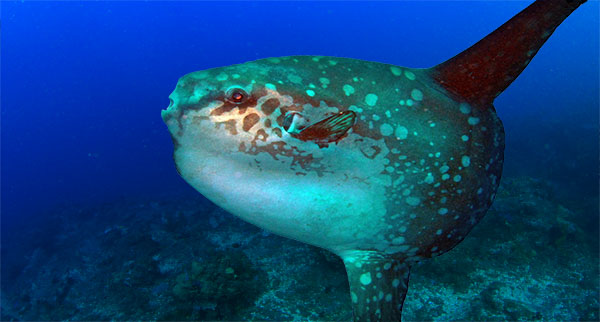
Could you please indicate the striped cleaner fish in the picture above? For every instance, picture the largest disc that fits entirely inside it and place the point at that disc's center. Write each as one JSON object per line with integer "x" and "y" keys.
{"x": 380, "y": 164}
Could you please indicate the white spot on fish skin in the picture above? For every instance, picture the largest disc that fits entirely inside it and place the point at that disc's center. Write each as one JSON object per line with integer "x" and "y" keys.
{"x": 379, "y": 275}
{"x": 398, "y": 240}
{"x": 465, "y": 108}
{"x": 222, "y": 77}
{"x": 396, "y": 71}
{"x": 386, "y": 129}
{"x": 410, "y": 75}
{"x": 445, "y": 176}
{"x": 465, "y": 138}
{"x": 355, "y": 109}
{"x": 310, "y": 92}
{"x": 473, "y": 120}
{"x": 409, "y": 102}
{"x": 444, "y": 168}
{"x": 388, "y": 298}
{"x": 395, "y": 282}
{"x": 294, "y": 79}
{"x": 457, "y": 178}
{"x": 348, "y": 89}
{"x": 354, "y": 297}
{"x": 429, "y": 178}
{"x": 438, "y": 232}
{"x": 442, "y": 211}
{"x": 365, "y": 279}
{"x": 465, "y": 160}
{"x": 371, "y": 99}
{"x": 387, "y": 266}
{"x": 271, "y": 86}
{"x": 401, "y": 132}
{"x": 413, "y": 201}
{"x": 416, "y": 94}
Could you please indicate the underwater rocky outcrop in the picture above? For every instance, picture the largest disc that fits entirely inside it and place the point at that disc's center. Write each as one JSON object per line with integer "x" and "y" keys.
{"x": 533, "y": 257}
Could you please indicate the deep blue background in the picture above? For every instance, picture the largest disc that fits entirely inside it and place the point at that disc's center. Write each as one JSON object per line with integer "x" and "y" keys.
{"x": 83, "y": 84}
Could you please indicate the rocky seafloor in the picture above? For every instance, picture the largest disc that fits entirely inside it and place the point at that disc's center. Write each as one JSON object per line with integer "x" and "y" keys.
{"x": 532, "y": 257}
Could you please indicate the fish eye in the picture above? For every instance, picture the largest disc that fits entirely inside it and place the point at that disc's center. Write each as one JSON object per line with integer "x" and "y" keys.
{"x": 237, "y": 95}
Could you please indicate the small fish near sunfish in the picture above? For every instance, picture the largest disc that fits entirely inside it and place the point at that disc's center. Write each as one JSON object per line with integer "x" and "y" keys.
{"x": 380, "y": 164}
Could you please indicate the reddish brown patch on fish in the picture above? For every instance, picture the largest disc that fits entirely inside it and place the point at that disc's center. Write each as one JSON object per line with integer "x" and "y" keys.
{"x": 362, "y": 129}
{"x": 370, "y": 154}
{"x": 242, "y": 147}
{"x": 267, "y": 123}
{"x": 229, "y": 126}
{"x": 277, "y": 131}
{"x": 270, "y": 105}
{"x": 249, "y": 121}
{"x": 300, "y": 159}
{"x": 228, "y": 106}
{"x": 198, "y": 119}
{"x": 261, "y": 135}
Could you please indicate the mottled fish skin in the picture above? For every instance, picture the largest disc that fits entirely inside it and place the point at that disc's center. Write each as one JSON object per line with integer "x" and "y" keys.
{"x": 382, "y": 165}
{"x": 414, "y": 174}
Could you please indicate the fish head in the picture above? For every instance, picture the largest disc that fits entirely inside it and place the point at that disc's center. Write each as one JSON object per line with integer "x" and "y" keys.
{"x": 257, "y": 144}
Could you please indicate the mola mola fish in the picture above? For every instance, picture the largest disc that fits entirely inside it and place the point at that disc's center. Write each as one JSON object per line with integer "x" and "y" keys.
{"x": 380, "y": 164}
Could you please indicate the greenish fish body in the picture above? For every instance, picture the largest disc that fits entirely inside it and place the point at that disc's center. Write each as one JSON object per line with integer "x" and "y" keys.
{"x": 382, "y": 165}
{"x": 407, "y": 155}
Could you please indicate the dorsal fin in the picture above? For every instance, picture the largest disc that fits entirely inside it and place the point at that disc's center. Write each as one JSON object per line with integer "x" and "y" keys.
{"x": 480, "y": 73}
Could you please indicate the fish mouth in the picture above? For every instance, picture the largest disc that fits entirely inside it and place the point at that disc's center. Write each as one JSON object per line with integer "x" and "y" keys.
{"x": 166, "y": 114}
{"x": 169, "y": 112}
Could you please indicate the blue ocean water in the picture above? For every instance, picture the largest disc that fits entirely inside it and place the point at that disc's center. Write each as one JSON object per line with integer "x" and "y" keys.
{"x": 83, "y": 84}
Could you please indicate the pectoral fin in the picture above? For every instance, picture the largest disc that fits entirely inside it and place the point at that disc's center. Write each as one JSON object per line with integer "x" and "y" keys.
{"x": 331, "y": 129}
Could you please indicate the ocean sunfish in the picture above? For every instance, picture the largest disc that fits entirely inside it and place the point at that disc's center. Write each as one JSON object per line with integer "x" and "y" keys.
{"x": 380, "y": 164}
